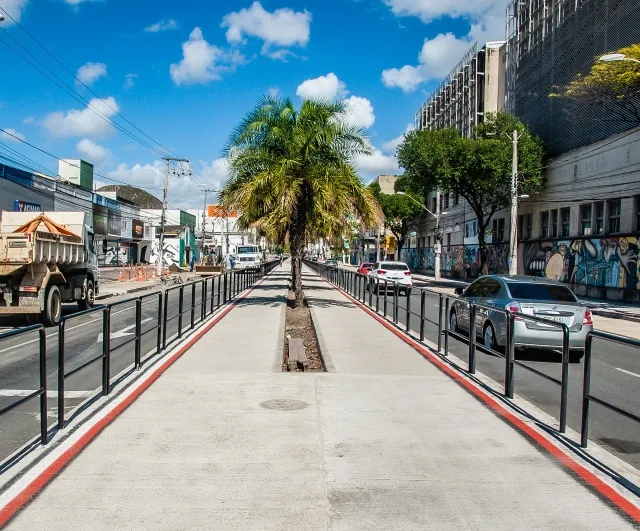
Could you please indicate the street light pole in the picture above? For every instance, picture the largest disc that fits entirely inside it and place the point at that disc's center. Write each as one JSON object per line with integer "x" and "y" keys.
{"x": 513, "y": 238}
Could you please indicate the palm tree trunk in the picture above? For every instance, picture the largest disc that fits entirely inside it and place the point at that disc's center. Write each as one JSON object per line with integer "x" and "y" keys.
{"x": 297, "y": 233}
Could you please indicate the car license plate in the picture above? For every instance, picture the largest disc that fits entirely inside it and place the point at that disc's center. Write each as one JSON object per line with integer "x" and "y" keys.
{"x": 554, "y": 318}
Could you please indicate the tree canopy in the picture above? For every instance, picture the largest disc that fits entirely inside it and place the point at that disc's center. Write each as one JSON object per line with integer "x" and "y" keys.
{"x": 478, "y": 169}
{"x": 612, "y": 89}
{"x": 292, "y": 174}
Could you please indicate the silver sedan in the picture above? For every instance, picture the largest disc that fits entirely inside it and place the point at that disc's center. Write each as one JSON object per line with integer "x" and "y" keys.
{"x": 538, "y": 297}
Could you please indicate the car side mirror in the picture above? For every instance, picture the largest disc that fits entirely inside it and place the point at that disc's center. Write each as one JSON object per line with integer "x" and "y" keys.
{"x": 459, "y": 291}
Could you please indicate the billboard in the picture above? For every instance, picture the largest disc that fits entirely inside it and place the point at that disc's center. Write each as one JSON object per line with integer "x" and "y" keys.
{"x": 100, "y": 217}
{"x": 114, "y": 223}
{"x": 25, "y": 206}
{"x": 218, "y": 211}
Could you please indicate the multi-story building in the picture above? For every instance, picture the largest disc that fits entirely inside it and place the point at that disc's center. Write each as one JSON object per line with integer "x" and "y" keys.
{"x": 476, "y": 86}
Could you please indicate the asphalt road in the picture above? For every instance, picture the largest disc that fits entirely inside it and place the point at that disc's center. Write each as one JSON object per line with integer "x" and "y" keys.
{"x": 19, "y": 367}
{"x": 615, "y": 377}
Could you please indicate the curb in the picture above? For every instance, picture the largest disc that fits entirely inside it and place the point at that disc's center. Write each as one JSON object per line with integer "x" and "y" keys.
{"x": 568, "y": 462}
{"x": 615, "y": 315}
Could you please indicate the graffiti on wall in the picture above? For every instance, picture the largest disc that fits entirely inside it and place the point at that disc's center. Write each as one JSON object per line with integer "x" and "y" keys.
{"x": 171, "y": 254}
{"x": 458, "y": 261}
{"x": 610, "y": 262}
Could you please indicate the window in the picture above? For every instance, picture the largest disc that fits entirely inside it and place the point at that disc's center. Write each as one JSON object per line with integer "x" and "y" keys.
{"x": 484, "y": 288}
{"x": 565, "y": 221}
{"x": 498, "y": 230}
{"x": 613, "y": 219}
{"x": 540, "y": 291}
{"x": 446, "y": 200}
{"x": 528, "y": 227}
{"x": 521, "y": 227}
{"x": 637, "y": 220}
{"x": 475, "y": 228}
{"x": 554, "y": 224}
{"x": 544, "y": 224}
{"x": 598, "y": 211}
{"x": 466, "y": 230}
{"x": 433, "y": 204}
{"x": 456, "y": 198}
{"x": 585, "y": 220}
{"x": 428, "y": 241}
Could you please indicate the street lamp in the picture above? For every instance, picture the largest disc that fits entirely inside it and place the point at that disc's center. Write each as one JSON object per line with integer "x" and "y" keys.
{"x": 614, "y": 57}
{"x": 438, "y": 247}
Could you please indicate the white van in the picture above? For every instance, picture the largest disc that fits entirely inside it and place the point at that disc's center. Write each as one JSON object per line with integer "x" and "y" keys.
{"x": 248, "y": 257}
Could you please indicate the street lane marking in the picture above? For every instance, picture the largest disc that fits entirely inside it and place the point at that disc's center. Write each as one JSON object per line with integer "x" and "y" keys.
{"x": 125, "y": 331}
{"x": 628, "y": 372}
{"x": 50, "y": 394}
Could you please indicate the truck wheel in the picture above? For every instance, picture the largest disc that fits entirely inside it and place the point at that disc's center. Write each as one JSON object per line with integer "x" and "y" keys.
{"x": 88, "y": 301}
{"x": 52, "y": 307}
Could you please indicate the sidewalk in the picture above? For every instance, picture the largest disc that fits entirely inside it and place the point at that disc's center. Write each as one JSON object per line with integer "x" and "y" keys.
{"x": 386, "y": 441}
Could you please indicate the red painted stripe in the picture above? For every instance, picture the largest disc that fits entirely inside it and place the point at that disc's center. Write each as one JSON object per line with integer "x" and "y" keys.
{"x": 9, "y": 510}
{"x": 589, "y": 477}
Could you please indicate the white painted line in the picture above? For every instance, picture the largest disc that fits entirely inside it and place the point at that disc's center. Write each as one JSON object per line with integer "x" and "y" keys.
{"x": 124, "y": 331}
{"x": 628, "y": 372}
{"x": 50, "y": 394}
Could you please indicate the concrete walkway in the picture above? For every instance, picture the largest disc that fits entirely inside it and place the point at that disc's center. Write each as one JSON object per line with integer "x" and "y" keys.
{"x": 224, "y": 440}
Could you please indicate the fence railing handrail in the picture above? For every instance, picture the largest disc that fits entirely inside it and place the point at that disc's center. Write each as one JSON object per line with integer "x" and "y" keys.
{"x": 358, "y": 284}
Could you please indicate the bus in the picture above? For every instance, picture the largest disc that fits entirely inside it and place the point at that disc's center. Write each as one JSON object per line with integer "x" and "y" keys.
{"x": 249, "y": 257}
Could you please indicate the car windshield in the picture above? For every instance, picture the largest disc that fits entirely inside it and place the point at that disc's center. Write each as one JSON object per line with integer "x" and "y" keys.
{"x": 248, "y": 249}
{"x": 394, "y": 267}
{"x": 540, "y": 292}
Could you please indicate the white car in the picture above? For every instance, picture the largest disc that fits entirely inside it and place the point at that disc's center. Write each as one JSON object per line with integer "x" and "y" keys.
{"x": 393, "y": 273}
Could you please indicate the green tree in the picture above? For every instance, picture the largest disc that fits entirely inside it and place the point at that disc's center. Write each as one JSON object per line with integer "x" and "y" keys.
{"x": 611, "y": 89}
{"x": 400, "y": 213}
{"x": 478, "y": 169}
{"x": 292, "y": 174}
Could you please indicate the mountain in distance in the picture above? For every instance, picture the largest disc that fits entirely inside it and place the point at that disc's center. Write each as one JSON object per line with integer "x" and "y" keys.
{"x": 136, "y": 195}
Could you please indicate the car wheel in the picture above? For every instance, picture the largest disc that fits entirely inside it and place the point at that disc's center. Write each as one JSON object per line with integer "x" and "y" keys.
{"x": 575, "y": 356}
{"x": 489, "y": 338}
{"x": 453, "y": 321}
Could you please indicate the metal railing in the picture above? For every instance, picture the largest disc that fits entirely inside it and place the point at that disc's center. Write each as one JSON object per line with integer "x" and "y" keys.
{"x": 587, "y": 395}
{"x": 374, "y": 293}
{"x": 41, "y": 392}
{"x": 214, "y": 293}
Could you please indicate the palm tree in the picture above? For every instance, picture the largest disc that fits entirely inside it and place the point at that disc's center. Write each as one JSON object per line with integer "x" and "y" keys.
{"x": 292, "y": 174}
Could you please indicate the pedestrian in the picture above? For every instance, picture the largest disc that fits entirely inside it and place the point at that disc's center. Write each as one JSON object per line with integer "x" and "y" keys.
{"x": 192, "y": 262}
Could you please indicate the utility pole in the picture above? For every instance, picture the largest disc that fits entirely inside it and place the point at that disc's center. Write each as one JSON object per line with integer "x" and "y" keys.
{"x": 513, "y": 238}
{"x": 167, "y": 161}
{"x": 204, "y": 222}
{"x": 438, "y": 244}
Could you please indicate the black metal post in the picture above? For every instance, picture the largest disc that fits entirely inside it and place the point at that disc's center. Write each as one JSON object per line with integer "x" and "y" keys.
{"x": 446, "y": 326}
{"x": 180, "y": 310}
{"x": 395, "y": 302}
{"x": 61, "y": 374}
{"x": 510, "y": 355}
{"x": 106, "y": 350}
{"x": 138, "y": 342}
{"x": 164, "y": 321}
{"x": 203, "y": 300}
{"x": 586, "y": 389}
{"x": 224, "y": 292}
{"x": 42, "y": 334}
{"x": 440, "y": 309}
{"x": 378, "y": 294}
{"x": 159, "y": 327}
{"x": 564, "y": 382}
{"x": 385, "y": 299}
{"x": 472, "y": 338}
{"x": 423, "y": 304}
{"x": 219, "y": 301}
{"x": 408, "y": 292}
{"x": 193, "y": 306}
{"x": 370, "y": 287}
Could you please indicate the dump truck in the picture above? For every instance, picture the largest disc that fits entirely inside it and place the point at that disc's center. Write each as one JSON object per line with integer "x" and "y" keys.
{"x": 46, "y": 260}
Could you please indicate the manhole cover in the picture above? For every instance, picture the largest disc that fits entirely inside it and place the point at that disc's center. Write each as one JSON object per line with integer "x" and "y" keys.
{"x": 283, "y": 404}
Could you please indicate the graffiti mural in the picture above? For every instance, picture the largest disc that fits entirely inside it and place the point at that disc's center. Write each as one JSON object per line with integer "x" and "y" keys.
{"x": 457, "y": 261}
{"x": 610, "y": 262}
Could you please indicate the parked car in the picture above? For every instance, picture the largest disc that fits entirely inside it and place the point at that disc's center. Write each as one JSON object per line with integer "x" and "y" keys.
{"x": 331, "y": 263}
{"x": 534, "y": 296}
{"x": 365, "y": 267}
{"x": 393, "y": 273}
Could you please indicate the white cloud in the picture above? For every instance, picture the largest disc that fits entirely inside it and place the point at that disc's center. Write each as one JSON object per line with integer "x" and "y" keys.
{"x": 162, "y": 25}
{"x": 370, "y": 166}
{"x": 360, "y": 112}
{"x": 129, "y": 81}
{"x": 200, "y": 61}
{"x": 273, "y": 92}
{"x": 282, "y": 28}
{"x": 83, "y": 122}
{"x": 440, "y": 54}
{"x": 76, "y": 3}
{"x": 15, "y": 8}
{"x": 92, "y": 152}
{"x": 392, "y": 145}
{"x": 217, "y": 172}
{"x": 29, "y": 120}
{"x": 89, "y": 73}
{"x": 9, "y": 132}
{"x": 143, "y": 175}
{"x": 328, "y": 88}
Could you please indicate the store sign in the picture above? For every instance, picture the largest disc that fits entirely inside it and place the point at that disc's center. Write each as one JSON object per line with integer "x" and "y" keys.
{"x": 24, "y": 206}
{"x": 138, "y": 229}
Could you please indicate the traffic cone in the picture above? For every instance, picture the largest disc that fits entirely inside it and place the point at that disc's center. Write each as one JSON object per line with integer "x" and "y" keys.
{"x": 121, "y": 275}
{"x": 140, "y": 275}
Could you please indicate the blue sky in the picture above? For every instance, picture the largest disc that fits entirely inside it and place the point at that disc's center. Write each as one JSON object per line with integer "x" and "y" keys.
{"x": 184, "y": 73}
